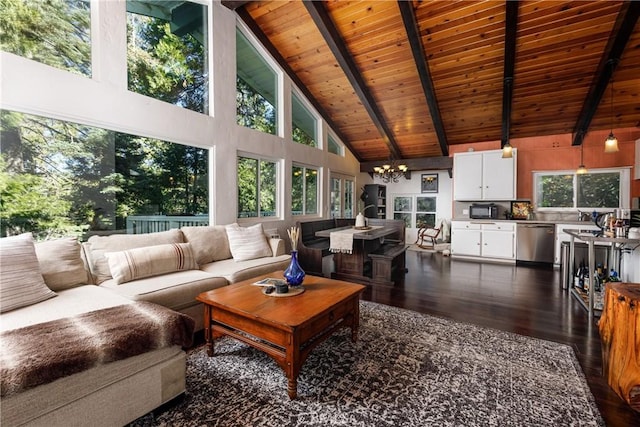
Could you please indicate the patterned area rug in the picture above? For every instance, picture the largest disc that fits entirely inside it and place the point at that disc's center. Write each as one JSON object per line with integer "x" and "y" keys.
{"x": 407, "y": 369}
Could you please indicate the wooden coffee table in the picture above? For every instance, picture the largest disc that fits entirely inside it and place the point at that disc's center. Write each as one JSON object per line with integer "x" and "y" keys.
{"x": 286, "y": 328}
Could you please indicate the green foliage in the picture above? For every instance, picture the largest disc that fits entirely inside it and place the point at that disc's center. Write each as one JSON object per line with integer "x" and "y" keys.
{"x": 253, "y": 110}
{"x": 302, "y": 137}
{"x": 54, "y": 32}
{"x": 557, "y": 191}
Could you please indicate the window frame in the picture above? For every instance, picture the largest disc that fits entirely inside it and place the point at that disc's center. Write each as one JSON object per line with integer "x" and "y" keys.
{"x": 306, "y": 168}
{"x": 304, "y": 103}
{"x": 331, "y": 137}
{"x": 623, "y": 197}
{"x": 344, "y": 208}
{"x": 278, "y": 184}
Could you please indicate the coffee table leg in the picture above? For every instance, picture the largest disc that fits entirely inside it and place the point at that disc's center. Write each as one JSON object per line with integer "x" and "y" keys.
{"x": 207, "y": 330}
{"x": 293, "y": 365}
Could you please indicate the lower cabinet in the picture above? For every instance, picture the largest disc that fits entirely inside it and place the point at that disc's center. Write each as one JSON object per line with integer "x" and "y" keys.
{"x": 494, "y": 240}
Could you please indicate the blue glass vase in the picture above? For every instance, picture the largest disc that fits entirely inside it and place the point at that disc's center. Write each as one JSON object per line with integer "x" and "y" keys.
{"x": 294, "y": 274}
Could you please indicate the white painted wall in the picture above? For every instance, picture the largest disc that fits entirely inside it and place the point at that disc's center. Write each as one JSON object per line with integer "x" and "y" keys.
{"x": 412, "y": 187}
{"x": 104, "y": 101}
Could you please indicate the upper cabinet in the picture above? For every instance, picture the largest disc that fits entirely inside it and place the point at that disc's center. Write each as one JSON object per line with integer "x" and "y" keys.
{"x": 484, "y": 175}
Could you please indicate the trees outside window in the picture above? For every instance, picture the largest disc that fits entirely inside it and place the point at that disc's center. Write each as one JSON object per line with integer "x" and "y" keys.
{"x": 304, "y": 123}
{"x": 304, "y": 190}
{"x": 167, "y": 53}
{"x": 403, "y": 209}
{"x": 64, "y": 179}
{"x": 425, "y": 211}
{"x": 596, "y": 189}
{"x": 257, "y": 187}
{"x": 256, "y": 88}
{"x": 55, "y": 33}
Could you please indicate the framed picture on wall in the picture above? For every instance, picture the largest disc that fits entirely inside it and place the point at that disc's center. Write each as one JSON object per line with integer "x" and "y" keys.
{"x": 429, "y": 183}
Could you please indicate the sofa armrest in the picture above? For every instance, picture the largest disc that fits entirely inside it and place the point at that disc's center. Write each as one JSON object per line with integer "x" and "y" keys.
{"x": 277, "y": 246}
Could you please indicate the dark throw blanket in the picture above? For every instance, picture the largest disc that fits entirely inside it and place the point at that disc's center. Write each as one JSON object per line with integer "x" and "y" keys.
{"x": 45, "y": 352}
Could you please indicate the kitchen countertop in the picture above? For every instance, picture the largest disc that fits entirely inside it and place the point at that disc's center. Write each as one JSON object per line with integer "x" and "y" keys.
{"x": 525, "y": 221}
{"x": 593, "y": 237}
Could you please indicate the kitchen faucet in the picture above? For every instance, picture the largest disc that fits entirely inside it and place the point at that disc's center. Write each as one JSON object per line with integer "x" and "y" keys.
{"x": 581, "y": 215}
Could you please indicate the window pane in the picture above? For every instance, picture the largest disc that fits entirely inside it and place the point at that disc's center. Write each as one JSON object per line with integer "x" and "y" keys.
{"x": 304, "y": 123}
{"x": 336, "y": 198}
{"x": 56, "y": 33}
{"x": 256, "y": 88}
{"x": 555, "y": 191}
{"x": 65, "y": 179}
{"x": 406, "y": 217}
{"x": 247, "y": 188}
{"x": 268, "y": 183}
{"x": 311, "y": 191}
{"x": 599, "y": 190}
{"x": 333, "y": 146}
{"x": 167, "y": 52}
{"x": 425, "y": 219}
{"x": 297, "y": 190}
{"x": 402, "y": 204}
{"x": 348, "y": 198}
{"x": 426, "y": 204}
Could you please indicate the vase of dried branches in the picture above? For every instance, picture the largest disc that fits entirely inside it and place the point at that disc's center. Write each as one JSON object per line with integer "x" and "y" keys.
{"x": 294, "y": 274}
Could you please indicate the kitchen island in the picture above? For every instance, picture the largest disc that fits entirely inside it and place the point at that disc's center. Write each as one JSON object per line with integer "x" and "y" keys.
{"x": 591, "y": 238}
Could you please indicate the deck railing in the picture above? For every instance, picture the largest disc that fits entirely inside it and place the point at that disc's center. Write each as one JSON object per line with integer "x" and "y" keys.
{"x": 139, "y": 224}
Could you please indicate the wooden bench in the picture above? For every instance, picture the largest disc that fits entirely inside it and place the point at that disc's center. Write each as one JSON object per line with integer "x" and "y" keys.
{"x": 388, "y": 263}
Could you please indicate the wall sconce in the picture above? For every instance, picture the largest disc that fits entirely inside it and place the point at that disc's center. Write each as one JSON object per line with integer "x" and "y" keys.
{"x": 507, "y": 151}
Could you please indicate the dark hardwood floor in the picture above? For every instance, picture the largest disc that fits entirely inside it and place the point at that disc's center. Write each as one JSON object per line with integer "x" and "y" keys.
{"x": 525, "y": 300}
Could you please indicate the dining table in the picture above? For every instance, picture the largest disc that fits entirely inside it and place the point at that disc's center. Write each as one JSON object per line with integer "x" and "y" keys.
{"x": 353, "y": 263}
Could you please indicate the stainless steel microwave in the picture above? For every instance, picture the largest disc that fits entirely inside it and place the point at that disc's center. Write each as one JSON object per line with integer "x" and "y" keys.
{"x": 483, "y": 211}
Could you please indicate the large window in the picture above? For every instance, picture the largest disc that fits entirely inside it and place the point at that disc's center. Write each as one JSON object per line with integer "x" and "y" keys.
{"x": 341, "y": 197}
{"x": 64, "y": 179}
{"x": 425, "y": 211}
{"x": 603, "y": 188}
{"x": 304, "y": 190}
{"x": 257, "y": 187}
{"x": 415, "y": 211}
{"x": 403, "y": 209}
{"x": 55, "y": 33}
{"x": 305, "y": 124}
{"x": 167, "y": 52}
{"x": 256, "y": 88}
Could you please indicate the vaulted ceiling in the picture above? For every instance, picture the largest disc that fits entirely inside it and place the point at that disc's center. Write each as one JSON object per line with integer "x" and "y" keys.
{"x": 409, "y": 79}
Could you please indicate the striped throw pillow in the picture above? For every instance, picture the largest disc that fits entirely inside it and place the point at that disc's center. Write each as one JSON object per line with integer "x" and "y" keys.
{"x": 150, "y": 261}
{"x": 247, "y": 242}
{"x": 21, "y": 283}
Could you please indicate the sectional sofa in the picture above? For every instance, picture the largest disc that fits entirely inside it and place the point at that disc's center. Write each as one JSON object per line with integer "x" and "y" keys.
{"x": 128, "y": 300}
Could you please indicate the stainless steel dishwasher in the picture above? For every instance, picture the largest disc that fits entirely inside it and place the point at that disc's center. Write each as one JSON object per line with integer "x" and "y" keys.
{"x": 535, "y": 243}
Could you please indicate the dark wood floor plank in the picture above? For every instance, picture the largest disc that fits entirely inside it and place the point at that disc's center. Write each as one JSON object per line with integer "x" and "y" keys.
{"x": 524, "y": 300}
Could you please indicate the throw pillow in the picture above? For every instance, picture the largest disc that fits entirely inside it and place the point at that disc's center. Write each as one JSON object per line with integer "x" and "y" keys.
{"x": 149, "y": 261}
{"x": 247, "y": 242}
{"x": 61, "y": 264}
{"x": 209, "y": 243}
{"x": 21, "y": 282}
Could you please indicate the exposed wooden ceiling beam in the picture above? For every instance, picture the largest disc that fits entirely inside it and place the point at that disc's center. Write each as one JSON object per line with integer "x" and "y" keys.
{"x": 413, "y": 33}
{"x": 264, "y": 40}
{"x": 233, "y": 4}
{"x": 511, "y": 27}
{"x": 339, "y": 49}
{"x": 620, "y": 34}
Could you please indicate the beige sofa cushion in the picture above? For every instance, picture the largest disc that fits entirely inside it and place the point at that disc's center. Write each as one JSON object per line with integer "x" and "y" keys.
{"x": 97, "y": 246}
{"x": 21, "y": 283}
{"x": 208, "y": 243}
{"x": 61, "y": 263}
{"x": 247, "y": 242}
{"x": 173, "y": 290}
{"x": 236, "y": 271}
{"x": 150, "y": 261}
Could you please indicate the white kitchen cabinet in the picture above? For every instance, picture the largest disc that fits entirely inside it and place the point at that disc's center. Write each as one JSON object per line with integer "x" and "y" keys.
{"x": 495, "y": 240}
{"x": 484, "y": 175}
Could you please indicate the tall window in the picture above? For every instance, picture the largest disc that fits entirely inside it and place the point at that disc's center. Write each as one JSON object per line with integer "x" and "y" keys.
{"x": 257, "y": 187}
{"x": 64, "y": 179}
{"x": 341, "y": 197}
{"x": 333, "y": 146}
{"x": 55, "y": 33}
{"x": 256, "y": 88}
{"x": 415, "y": 211}
{"x": 425, "y": 211}
{"x": 167, "y": 52}
{"x": 305, "y": 124}
{"x": 304, "y": 190}
{"x": 603, "y": 188}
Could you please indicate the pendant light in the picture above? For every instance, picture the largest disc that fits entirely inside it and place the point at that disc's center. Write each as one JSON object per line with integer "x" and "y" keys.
{"x": 507, "y": 151}
{"x": 581, "y": 169}
{"x": 611, "y": 143}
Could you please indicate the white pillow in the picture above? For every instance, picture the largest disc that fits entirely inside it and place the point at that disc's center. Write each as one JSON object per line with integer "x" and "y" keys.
{"x": 247, "y": 242}
{"x": 61, "y": 264}
{"x": 21, "y": 282}
{"x": 150, "y": 261}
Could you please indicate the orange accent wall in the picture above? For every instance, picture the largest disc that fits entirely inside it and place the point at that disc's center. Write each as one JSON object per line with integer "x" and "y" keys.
{"x": 555, "y": 152}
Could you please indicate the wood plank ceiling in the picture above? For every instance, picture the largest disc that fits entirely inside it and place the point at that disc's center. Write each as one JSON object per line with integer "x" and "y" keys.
{"x": 406, "y": 80}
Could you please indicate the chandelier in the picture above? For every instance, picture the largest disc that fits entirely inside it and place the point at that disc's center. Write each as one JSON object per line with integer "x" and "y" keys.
{"x": 390, "y": 172}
